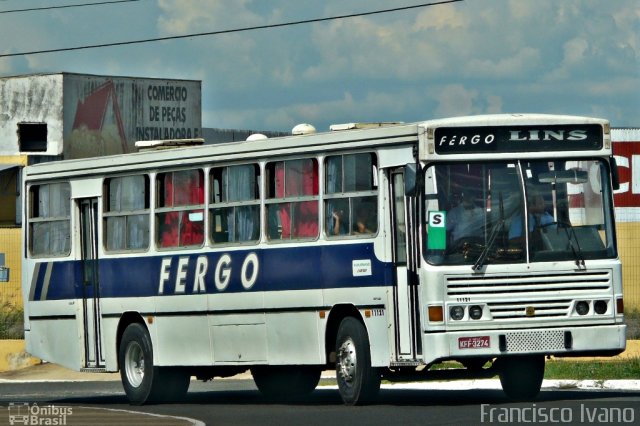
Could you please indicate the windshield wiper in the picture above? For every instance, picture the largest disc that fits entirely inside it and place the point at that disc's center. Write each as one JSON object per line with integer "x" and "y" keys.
{"x": 575, "y": 249}
{"x": 492, "y": 239}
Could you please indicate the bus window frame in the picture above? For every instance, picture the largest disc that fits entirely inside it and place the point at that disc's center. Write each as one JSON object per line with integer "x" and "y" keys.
{"x": 272, "y": 200}
{"x": 31, "y": 219}
{"x": 212, "y": 205}
{"x": 106, "y": 214}
{"x": 351, "y": 197}
{"x": 159, "y": 211}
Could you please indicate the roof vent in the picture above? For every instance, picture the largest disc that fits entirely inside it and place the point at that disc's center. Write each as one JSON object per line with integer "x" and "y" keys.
{"x": 167, "y": 144}
{"x": 256, "y": 137}
{"x": 303, "y": 129}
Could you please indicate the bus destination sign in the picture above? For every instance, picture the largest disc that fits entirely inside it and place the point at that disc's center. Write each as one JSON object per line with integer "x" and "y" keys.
{"x": 492, "y": 139}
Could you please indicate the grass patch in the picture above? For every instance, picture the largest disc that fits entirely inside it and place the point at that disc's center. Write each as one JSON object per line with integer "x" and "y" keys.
{"x": 632, "y": 320}
{"x": 11, "y": 321}
{"x": 593, "y": 370}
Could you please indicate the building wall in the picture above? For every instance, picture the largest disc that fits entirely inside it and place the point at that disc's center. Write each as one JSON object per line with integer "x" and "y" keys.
{"x": 107, "y": 115}
{"x": 31, "y": 99}
{"x": 89, "y": 115}
{"x": 10, "y": 243}
{"x": 626, "y": 149}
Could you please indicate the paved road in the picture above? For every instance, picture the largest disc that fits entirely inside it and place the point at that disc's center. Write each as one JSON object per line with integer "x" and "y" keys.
{"x": 237, "y": 402}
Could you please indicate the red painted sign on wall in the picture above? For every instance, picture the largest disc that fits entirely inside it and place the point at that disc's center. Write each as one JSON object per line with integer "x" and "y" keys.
{"x": 628, "y": 158}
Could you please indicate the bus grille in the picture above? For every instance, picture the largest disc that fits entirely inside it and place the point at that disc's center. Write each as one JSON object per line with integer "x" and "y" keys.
{"x": 548, "y": 295}
{"x": 535, "y": 341}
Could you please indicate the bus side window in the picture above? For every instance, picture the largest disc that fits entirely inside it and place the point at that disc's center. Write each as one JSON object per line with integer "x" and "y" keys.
{"x": 179, "y": 223}
{"x": 50, "y": 219}
{"x": 235, "y": 201}
{"x": 350, "y": 200}
{"x": 126, "y": 213}
{"x": 292, "y": 206}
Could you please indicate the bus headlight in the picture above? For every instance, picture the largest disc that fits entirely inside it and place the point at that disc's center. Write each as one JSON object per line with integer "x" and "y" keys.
{"x": 600, "y": 306}
{"x": 456, "y": 312}
{"x": 582, "y": 308}
{"x": 475, "y": 312}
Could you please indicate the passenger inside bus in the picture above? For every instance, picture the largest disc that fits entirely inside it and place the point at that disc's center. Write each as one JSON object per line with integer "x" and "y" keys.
{"x": 538, "y": 217}
{"x": 466, "y": 220}
{"x": 339, "y": 217}
{"x": 364, "y": 222}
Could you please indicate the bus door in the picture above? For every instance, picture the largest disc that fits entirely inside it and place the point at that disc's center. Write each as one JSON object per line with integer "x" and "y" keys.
{"x": 91, "y": 318}
{"x": 405, "y": 257}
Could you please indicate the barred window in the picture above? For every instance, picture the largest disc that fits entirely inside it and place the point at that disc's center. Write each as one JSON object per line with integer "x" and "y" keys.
{"x": 180, "y": 208}
{"x": 235, "y": 204}
{"x": 351, "y": 198}
{"x": 50, "y": 219}
{"x": 292, "y": 199}
{"x": 126, "y": 213}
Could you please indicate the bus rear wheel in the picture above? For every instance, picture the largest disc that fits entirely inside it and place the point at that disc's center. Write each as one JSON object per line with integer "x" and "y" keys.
{"x": 521, "y": 376}
{"x": 286, "y": 382}
{"x": 358, "y": 381}
{"x": 142, "y": 381}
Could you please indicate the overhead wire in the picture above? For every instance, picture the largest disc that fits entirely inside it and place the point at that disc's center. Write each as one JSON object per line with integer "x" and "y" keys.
{"x": 66, "y": 6}
{"x": 230, "y": 31}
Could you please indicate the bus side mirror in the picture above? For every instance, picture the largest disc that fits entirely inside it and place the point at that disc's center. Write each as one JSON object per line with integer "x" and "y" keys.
{"x": 410, "y": 180}
{"x": 615, "y": 177}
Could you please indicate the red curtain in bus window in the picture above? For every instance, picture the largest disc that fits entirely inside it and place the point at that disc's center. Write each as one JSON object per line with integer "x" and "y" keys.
{"x": 169, "y": 237}
{"x": 192, "y": 189}
{"x": 182, "y": 189}
{"x": 307, "y": 221}
{"x": 285, "y": 219}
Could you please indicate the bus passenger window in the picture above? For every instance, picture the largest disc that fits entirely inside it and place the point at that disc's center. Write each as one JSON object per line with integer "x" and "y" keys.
{"x": 180, "y": 214}
{"x": 126, "y": 215}
{"x": 235, "y": 201}
{"x": 50, "y": 219}
{"x": 292, "y": 206}
{"x": 350, "y": 200}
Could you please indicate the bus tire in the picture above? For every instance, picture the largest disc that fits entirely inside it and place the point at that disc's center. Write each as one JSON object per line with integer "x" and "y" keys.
{"x": 358, "y": 381}
{"x": 142, "y": 381}
{"x": 286, "y": 382}
{"x": 521, "y": 376}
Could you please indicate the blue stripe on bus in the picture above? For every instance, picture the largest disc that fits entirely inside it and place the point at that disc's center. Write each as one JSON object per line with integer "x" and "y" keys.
{"x": 286, "y": 268}
{"x": 39, "y": 271}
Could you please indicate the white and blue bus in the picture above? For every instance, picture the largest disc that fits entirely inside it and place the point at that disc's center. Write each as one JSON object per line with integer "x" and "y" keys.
{"x": 377, "y": 250}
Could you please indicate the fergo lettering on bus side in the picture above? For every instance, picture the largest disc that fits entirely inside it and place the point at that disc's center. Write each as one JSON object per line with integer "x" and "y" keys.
{"x": 178, "y": 267}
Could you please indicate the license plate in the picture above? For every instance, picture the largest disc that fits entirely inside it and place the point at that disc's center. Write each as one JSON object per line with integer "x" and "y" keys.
{"x": 476, "y": 342}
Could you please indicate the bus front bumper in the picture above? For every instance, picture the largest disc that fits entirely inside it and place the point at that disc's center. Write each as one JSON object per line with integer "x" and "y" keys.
{"x": 601, "y": 340}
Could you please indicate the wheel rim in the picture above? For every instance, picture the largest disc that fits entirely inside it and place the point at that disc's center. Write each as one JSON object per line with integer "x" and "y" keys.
{"x": 347, "y": 361}
{"x": 134, "y": 364}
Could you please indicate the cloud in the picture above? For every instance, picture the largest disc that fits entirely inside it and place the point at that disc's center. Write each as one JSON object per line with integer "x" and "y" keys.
{"x": 465, "y": 58}
{"x": 456, "y": 100}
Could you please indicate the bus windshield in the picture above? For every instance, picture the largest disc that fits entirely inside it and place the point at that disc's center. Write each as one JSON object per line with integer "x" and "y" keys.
{"x": 477, "y": 213}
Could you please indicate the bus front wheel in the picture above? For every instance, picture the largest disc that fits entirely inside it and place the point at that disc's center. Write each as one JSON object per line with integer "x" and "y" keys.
{"x": 358, "y": 381}
{"x": 142, "y": 381}
{"x": 521, "y": 376}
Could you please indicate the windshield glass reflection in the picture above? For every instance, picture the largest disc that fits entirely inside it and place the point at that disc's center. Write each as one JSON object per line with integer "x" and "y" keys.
{"x": 513, "y": 212}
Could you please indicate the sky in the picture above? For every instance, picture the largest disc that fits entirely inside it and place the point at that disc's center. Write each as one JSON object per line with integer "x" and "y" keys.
{"x": 577, "y": 57}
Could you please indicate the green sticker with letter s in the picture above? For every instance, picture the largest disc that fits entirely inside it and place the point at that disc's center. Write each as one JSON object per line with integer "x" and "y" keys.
{"x": 437, "y": 228}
